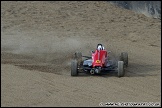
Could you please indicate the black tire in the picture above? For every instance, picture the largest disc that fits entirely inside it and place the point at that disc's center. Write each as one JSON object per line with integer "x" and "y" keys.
{"x": 121, "y": 71}
{"x": 78, "y": 57}
{"x": 124, "y": 58}
{"x": 74, "y": 66}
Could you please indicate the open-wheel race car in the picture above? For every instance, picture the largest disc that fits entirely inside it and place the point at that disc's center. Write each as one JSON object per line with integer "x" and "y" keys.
{"x": 98, "y": 63}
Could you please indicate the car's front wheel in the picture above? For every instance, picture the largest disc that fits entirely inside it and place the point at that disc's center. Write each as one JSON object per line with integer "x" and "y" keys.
{"x": 124, "y": 58}
{"x": 78, "y": 57}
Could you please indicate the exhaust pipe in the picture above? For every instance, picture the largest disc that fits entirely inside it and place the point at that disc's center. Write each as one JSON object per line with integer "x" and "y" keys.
{"x": 92, "y": 71}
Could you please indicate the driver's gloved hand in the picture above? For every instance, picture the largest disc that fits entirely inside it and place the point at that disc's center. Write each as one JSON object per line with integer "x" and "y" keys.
{"x": 92, "y": 51}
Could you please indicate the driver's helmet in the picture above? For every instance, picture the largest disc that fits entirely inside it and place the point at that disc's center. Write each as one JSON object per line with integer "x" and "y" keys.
{"x": 100, "y": 47}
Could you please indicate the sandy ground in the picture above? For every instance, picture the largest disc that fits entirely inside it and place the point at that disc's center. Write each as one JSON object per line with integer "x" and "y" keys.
{"x": 38, "y": 42}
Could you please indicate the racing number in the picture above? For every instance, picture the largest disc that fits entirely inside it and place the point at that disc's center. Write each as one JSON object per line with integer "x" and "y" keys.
{"x": 97, "y": 61}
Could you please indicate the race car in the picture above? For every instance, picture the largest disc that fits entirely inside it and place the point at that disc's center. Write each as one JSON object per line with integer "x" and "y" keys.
{"x": 98, "y": 63}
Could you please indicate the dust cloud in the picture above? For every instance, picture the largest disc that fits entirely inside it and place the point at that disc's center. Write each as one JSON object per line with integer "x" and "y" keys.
{"x": 45, "y": 44}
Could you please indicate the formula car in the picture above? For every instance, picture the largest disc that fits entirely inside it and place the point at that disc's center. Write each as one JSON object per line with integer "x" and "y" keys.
{"x": 98, "y": 63}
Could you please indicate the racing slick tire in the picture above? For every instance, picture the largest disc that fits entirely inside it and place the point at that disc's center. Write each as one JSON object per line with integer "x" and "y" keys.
{"x": 74, "y": 68}
{"x": 121, "y": 71}
{"x": 78, "y": 57}
{"x": 124, "y": 58}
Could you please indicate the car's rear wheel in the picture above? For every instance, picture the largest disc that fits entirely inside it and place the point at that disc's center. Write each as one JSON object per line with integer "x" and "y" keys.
{"x": 124, "y": 58}
{"x": 74, "y": 68}
{"x": 121, "y": 69}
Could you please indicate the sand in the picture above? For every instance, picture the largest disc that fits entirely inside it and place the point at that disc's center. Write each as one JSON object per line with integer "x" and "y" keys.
{"x": 39, "y": 39}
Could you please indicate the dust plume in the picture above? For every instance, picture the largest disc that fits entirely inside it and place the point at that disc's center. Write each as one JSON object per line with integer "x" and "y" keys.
{"x": 45, "y": 45}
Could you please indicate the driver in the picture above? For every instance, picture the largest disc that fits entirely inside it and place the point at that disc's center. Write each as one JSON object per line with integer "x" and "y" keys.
{"x": 100, "y": 47}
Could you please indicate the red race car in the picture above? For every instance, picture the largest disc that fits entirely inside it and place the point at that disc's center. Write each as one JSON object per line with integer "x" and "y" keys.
{"x": 98, "y": 63}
